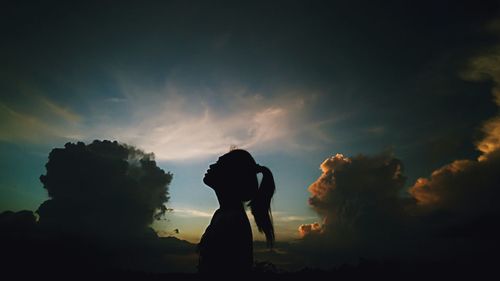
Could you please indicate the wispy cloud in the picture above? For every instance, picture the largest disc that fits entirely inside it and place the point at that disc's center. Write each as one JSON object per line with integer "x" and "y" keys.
{"x": 178, "y": 122}
{"x": 33, "y": 117}
{"x": 278, "y": 217}
{"x": 40, "y": 125}
{"x": 62, "y": 112}
{"x": 185, "y": 212}
{"x": 486, "y": 67}
{"x": 175, "y": 121}
{"x": 287, "y": 217}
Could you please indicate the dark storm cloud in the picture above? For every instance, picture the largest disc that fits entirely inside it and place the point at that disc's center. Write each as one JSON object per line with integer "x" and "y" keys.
{"x": 453, "y": 215}
{"x": 464, "y": 187}
{"x": 103, "y": 198}
{"x": 340, "y": 185}
{"x": 361, "y": 56}
{"x": 470, "y": 187}
{"x": 359, "y": 200}
{"x": 314, "y": 41}
{"x": 103, "y": 187}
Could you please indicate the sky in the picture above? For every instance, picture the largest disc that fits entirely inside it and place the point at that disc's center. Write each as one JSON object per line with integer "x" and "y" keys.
{"x": 296, "y": 83}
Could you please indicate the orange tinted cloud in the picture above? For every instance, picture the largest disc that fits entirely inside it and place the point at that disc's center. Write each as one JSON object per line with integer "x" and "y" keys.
{"x": 420, "y": 191}
{"x": 432, "y": 191}
{"x": 358, "y": 194}
{"x": 469, "y": 185}
{"x": 464, "y": 186}
{"x": 486, "y": 67}
{"x": 326, "y": 182}
{"x": 308, "y": 229}
{"x": 491, "y": 141}
{"x": 452, "y": 213}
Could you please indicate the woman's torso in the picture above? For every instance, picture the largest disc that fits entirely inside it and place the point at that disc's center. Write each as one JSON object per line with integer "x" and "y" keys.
{"x": 227, "y": 244}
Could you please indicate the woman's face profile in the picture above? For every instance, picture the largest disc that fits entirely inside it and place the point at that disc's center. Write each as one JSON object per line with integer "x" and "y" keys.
{"x": 214, "y": 173}
{"x": 232, "y": 168}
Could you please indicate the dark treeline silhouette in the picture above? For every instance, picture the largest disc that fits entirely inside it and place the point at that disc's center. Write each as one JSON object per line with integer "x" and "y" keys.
{"x": 27, "y": 251}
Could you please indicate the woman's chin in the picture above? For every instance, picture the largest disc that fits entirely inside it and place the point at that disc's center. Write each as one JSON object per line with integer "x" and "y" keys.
{"x": 206, "y": 180}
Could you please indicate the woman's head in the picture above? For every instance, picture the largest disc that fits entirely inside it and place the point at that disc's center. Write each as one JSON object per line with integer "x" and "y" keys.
{"x": 234, "y": 177}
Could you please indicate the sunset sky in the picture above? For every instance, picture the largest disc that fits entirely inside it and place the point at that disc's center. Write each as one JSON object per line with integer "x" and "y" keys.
{"x": 293, "y": 82}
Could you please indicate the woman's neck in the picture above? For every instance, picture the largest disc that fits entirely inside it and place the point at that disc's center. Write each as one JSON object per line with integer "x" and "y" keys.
{"x": 229, "y": 203}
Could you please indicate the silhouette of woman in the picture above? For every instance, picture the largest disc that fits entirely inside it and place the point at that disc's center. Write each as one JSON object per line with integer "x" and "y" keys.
{"x": 226, "y": 247}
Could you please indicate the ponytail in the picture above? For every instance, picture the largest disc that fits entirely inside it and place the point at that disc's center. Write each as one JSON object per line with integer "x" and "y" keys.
{"x": 261, "y": 205}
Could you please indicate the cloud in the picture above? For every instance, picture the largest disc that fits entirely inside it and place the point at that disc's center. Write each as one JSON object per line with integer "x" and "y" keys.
{"x": 310, "y": 229}
{"x": 491, "y": 142}
{"x": 102, "y": 188}
{"x": 466, "y": 188}
{"x": 183, "y": 122}
{"x": 341, "y": 195}
{"x": 17, "y": 126}
{"x": 360, "y": 205}
{"x": 192, "y": 213}
{"x": 451, "y": 215}
{"x": 365, "y": 214}
{"x": 470, "y": 187}
{"x": 61, "y": 112}
{"x": 459, "y": 200}
{"x": 34, "y": 118}
{"x": 103, "y": 197}
{"x": 290, "y": 218}
{"x": 486, "y": 67}
{"x": 176, "y": 120}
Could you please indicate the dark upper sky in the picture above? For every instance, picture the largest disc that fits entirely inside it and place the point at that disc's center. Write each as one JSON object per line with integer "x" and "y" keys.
{"x": 294, "y": 82}
{"x": 392, "y": 67}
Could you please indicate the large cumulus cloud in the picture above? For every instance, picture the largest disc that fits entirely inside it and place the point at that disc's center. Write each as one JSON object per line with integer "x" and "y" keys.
{"x": 486, "y": 67}
{"x": 465, "y": 191}
{"x": 341, "y": 195}
{"x": 368, "y": 212}
{"x": 103, "y": 187}
{"x": 469, "y": 186}
{"x": 451, "y": 216}
{"x": 103, "y": 197}
{"x": 360, "y": 203}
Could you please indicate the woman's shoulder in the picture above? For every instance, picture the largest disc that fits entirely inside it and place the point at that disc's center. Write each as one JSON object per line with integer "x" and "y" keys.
{"x": 230, "y": 218}
{"x": 232, "y": 214}
{"x": 228, "y": 225}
